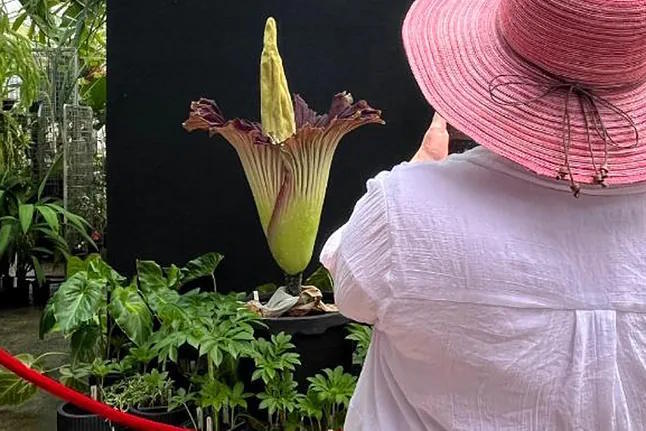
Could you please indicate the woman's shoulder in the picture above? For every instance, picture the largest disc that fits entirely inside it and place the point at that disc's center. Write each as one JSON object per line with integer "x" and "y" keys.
{"x": 459, "y": 175}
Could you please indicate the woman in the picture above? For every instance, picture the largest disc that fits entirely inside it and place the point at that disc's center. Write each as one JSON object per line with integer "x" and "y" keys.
{"x": 507, "y": 285}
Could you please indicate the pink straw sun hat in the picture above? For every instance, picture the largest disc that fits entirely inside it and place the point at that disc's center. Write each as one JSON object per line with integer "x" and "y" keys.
{"x": 557, "y": 86}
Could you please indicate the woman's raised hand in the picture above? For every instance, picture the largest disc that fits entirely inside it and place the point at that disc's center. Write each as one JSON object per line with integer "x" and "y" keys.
{"x": 435, "y": 145}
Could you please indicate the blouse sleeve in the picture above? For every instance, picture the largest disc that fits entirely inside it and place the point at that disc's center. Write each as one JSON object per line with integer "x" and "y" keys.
{"x": 358, "y": 256}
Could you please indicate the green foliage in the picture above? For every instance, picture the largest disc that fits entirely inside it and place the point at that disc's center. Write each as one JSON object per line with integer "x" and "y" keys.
{"x": 214, "y": 332}
{"x": 69, "y": 23}
{"x": 182, "y": 398}
{"x": 275, "y": 362}
{"x": 14, "y": 140}
{"x": 334, "y": 389}
{"x": 311, "y": 406}
{"x": 75, "y": 375}
{"x": 13, "y": 389}
{"x": 17, "y": 59}
{"x": 203, "y": 266}
{"x": 151, "y": 276}
{"x": 274, "y": 357}
{"x": 131, "y": 313}
{"x": 77, "y": 302}
{"x": 334, "y": 386}
{"x": 85, "y": 343}
{"x": 31, "y": 226}
{"x": 141, "y": 390}
{"x": 321, "y": 279}
{"x": 47, "y": 320}
{"x": 361, "y": 335}
{"x": 280, "y": 397}
{"x": 139, "y": 357}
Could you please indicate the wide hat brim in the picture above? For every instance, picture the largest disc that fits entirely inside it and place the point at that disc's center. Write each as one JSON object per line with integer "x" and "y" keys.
{"x": 455, "y": 51}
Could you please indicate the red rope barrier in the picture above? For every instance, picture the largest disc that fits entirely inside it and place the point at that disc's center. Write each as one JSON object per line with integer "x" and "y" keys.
{"x": 82, "y": 401}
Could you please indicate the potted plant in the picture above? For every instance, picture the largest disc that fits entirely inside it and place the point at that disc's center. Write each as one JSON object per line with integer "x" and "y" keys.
{"x": 31, "y": 229}
{"x": 96, "y": 303}
{"x": 147, "y": 395}
{"x": 77, "y": 375}
{"x": 287, "y": 160}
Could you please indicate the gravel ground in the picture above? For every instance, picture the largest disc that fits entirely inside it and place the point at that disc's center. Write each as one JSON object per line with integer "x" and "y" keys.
{"x": 19, "y": 334}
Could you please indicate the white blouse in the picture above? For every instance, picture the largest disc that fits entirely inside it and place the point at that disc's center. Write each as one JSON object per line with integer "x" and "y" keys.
{"x": 500, "y": 302}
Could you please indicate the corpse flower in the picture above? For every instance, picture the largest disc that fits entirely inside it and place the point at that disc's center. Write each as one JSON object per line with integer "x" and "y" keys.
{"x": 287, "y": 158}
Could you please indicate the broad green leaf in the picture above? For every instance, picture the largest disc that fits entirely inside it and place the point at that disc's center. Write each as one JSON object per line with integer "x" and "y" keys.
{"x": 131, "y": 314}
{"x": 267, "y": 288}
{"x": 47, "y": 320}
{"x": 83, "y": 343}
{"x": 165, "y": 304}
{"x": 78, "y": 301}
{"x": 50, "y": 217}
{"x": 38, "y": 269}
{"x": 321, "y": 279}
{"x": 203, "y": 266}
{"x": 151, "y": 276}
{"x": 17, "y": 22}
{"x": 80, "y": 226}
{"x": 14, "y": 390}
{"x": 74, "y": 265}
{"x": 99, "y": 269}
{"x": 95, "y": 95}
{"x": 5, "y": 237}
{"x": 173, "y": 276}
{"x": 26, "y": 215}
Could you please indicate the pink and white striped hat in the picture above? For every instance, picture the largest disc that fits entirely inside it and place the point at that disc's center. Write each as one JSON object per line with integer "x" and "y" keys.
{"x": 557, "y": 86}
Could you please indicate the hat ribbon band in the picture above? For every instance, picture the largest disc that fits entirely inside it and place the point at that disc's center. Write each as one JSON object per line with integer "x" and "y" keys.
{"x": 589, "y": 103}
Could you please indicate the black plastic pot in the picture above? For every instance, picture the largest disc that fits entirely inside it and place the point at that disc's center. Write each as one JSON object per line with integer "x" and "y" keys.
{"x": 71, "y": 418}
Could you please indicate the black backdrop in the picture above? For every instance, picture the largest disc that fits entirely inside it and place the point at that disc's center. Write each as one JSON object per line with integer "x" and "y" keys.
{"x": 172, "y": 195}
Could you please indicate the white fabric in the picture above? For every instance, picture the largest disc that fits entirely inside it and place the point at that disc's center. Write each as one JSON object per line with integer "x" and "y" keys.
{"x": 500, "y": 302}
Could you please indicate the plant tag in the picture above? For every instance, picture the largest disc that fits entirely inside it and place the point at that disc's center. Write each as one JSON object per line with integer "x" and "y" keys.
{"x": 256, "y": 297}
{"x": 200, "y": 418}
{"x": 209, "y": 423}
{"x": 94, "y": 392}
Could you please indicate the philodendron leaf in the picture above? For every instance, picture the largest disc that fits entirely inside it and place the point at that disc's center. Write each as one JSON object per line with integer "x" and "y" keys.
{"x": 83, "y": 343}
{"x": 13, "y": 389}
{"x": 203, "y": 266}
{"x": 131, "y": 314}
{"x": 173, "y": 275}
{"x": 321, "y": 278}
{"x": 151, "y": 277}
{"x": 77, "y": 301}
{"x": 47, "y": 320}
{"x": 99, "y": 269}
{"x": 74, "y": 265}
{"x": 267, "y": 288}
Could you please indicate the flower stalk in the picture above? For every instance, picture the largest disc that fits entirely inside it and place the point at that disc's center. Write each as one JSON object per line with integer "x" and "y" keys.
{"x": 287, "y": 158}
